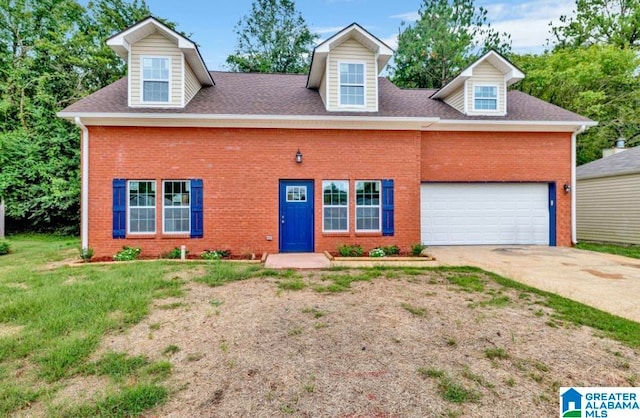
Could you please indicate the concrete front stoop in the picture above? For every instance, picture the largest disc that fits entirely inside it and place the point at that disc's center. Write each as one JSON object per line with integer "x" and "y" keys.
{"x": 297, "y": 261}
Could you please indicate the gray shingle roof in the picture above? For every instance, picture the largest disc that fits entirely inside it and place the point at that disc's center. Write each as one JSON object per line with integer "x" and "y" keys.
{"x": 627, "y": 162}
{"x": 286, "y": 94}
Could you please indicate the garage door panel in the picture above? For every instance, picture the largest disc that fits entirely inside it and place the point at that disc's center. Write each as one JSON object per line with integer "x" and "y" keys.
{"x": 478, "y": 214}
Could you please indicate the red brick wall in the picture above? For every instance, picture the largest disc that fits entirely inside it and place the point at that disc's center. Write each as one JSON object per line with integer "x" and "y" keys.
{"x": 241, "y": 169}
{"x": 504, "y": 157}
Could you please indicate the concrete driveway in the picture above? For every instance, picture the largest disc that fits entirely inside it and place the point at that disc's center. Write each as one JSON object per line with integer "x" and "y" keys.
{"x": 605, "y": 281}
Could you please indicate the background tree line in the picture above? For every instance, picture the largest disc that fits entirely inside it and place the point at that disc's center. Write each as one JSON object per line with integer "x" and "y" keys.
{"x": 53, "y": 52}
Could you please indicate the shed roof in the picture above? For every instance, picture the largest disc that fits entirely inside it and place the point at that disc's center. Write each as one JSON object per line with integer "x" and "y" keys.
{"x": 627, "y": 162}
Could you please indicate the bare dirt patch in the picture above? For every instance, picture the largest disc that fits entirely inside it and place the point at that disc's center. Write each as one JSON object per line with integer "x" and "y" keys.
{"x": 385, "y": 348}
{"x": 7, "y": 330}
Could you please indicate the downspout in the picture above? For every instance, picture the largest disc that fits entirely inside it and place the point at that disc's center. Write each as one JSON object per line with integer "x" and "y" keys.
{"x": 84, "y": 197}
{"x": 574, "y": 135}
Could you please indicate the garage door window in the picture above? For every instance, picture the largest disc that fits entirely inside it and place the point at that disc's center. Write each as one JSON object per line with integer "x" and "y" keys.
{"x": 368, "y": 206}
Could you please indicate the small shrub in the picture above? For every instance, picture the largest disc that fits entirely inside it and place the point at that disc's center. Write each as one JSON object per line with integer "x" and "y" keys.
{"x": 175, "y": 253}
{"x": 215, "y": 254}
{"x": 86, "y": 254}
{"x": 416, "y": 249}
{"x": 347, "y": 250}
{"x": 377, "y": 252}
{"x": 4, "y": 247}
{"x": 127, "y": 254}
{"x": 391, "y": 250}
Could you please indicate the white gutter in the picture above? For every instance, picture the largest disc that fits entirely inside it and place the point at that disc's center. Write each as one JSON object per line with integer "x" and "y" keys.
{"x": 84, "y": 198}
{"x": 574, "y": 234}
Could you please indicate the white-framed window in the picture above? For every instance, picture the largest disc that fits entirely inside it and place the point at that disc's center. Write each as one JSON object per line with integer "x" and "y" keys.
{"x": 296, "y": 193}
{"x": 335, "y": 206}
{"x": 368, "y": 198}
{"x": 485, "y": 98}
{"x": 351, "y": 84}
{"x": 142, "y": 206}
{"x": 155, "y": 79}
{"x": 176, "y": 200}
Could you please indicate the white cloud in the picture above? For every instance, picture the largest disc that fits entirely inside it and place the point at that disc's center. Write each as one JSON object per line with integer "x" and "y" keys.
{"x": 391, "y": 41}
{"x": 528, "y": 23}
{"x": 407, "y": 17}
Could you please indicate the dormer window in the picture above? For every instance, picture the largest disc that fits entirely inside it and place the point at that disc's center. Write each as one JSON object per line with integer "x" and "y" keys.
{"x": 485, "y": 98}
{"x": 481, "y": 88}
{"x": 155, "y": 79}
{"x": 351, "y": 84}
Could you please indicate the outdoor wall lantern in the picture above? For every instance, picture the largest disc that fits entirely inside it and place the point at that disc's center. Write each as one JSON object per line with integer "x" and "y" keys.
{"x": 567, "y": 188}
{"x": 298, "y": 157}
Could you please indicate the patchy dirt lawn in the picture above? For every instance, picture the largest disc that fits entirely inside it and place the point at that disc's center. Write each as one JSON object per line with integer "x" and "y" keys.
{"x": 405, "y": 344}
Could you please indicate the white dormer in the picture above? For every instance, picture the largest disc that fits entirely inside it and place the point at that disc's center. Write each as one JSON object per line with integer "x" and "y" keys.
{"x": 481, "y": 89}
{"x": 165, "y": 69}
{"x": 345, "y": 69}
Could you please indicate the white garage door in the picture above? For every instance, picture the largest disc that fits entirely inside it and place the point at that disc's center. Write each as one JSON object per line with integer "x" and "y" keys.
{"x": 481, "y": 214}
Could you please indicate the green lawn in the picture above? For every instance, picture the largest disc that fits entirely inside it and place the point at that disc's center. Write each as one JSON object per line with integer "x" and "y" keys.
{"x": 53, "y": 317}
{"x": 625, "y": 250}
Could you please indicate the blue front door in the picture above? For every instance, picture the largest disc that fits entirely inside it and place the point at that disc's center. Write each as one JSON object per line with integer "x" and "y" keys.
{"x": 296, "y": 216}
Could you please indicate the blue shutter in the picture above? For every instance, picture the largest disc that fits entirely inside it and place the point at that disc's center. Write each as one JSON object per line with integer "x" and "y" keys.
{"x": 196, "y": 208}
{"x": 387, "y": 207}
{"x": 119, "y": 208}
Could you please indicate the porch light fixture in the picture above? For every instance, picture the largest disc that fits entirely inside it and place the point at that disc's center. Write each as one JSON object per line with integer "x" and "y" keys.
{"x": 298, "y": 157}
{"x": 567, "y": 188}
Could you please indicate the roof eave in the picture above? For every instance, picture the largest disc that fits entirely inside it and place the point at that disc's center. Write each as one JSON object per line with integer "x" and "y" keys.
{"x": 510, "y": 125}
{"x": 511, "y": 73}
{"x": 320, "y": 52}
{"x": 121, "y": 44}
{"x": 604, "y": 175}
{"x": 320, "y": 122}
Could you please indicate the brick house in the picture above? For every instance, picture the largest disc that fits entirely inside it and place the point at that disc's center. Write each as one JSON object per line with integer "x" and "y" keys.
{"x": 174, "y": 154}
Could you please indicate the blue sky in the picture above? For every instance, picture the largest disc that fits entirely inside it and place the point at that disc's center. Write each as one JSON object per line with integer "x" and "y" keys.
{"x": 211, "y": 22}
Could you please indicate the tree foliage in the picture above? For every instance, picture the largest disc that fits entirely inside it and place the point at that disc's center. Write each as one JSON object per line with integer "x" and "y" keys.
{"x": 273, "y": 38}
{"x": 598, "y": 81}
{"x": 448, "y": 36}
{"x": 52, "y": 53}
{"x": 593, "y": 70}
{"x": 609, "y": 22}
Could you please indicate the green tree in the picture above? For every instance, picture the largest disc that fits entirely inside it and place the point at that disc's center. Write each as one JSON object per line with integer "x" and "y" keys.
{"x": 448, "y": 36}
{"x": 51, "y": 54}
{"x": 598, "y": 81}
{"x": 273, "y": 38}
{"x": 611, "y": 22}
